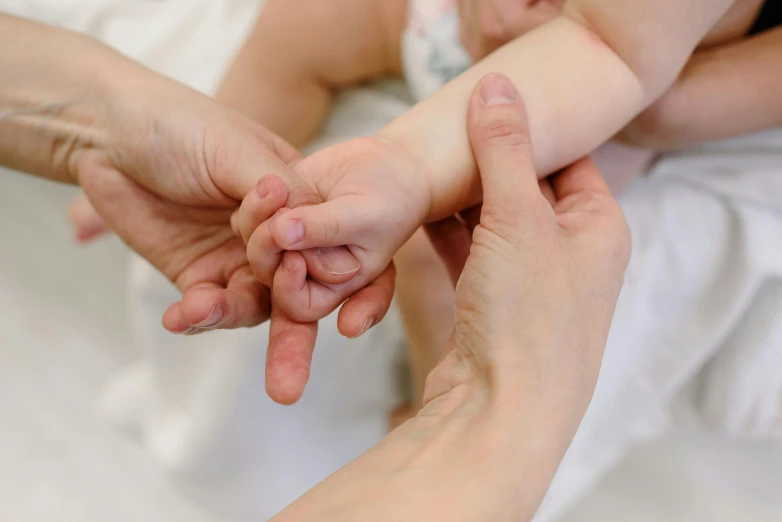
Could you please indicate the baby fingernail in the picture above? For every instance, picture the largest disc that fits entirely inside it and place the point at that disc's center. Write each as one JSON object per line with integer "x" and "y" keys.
{"x": 369, "y": 323}
{"x": 287, "y": 262}
{"x": 337, "y": 261}
{"x": 497, "y": 89}
{"x": 294, "y": 232}
{"x": 214, "y": 317}
{"x": 262, "y": 189}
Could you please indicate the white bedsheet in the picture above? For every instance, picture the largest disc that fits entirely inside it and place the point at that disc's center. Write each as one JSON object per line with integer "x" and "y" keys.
{"x": 697, "y": 337}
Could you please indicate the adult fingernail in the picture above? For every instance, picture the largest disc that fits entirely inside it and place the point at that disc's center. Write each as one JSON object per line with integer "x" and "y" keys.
{"x": 192, "y": 330}
{"x": 294, "y": 232}
{"x": 337, "y": 260}
{"x": 497, "y": 89}
{"x": 369, "y": 323}
{"x": 262, "y": 189}
{"x": 214, "y": 317}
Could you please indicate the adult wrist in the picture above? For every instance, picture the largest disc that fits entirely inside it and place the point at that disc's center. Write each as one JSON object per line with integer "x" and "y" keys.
{"x": 56, "y": 93}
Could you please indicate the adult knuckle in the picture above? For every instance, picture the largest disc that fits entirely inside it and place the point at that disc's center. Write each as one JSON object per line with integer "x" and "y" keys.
{"x": 505, "y": 132}
{"x": 508, "y": 225}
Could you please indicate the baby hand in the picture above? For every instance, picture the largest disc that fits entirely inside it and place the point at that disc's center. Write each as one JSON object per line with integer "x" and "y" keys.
{"x": 291, "y": 342}
{"x": 373, "y": 195}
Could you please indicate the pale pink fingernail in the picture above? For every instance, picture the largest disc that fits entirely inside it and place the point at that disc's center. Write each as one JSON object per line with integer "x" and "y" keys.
{"x": 262, "y": 189}
{"x": 287, "y": 263}
{"x": 497, "y": 89}
{"x": 337, "y": 261}
{"x": 369, "y": 323}
{"x": 192, "y": 330}
{"x": 294, "y": 232}
{"x": 214, "y": 317}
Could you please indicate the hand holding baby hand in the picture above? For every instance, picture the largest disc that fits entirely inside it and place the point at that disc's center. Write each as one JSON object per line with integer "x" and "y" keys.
{"x": 373, "y": 199}
{"x": 333, "y": 240}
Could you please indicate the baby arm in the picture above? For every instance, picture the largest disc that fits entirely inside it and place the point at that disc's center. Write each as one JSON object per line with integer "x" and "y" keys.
{"x": 723, "y": 92}
{"x": 301, "y": 51}
{"x": 582, "y": 76}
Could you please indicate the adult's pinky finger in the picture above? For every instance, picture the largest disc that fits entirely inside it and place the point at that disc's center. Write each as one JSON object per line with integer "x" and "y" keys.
{"x": 210, "y": 306}
{"x": 244, "y": 303}
{"x": 368, "y": 306}
{"x": 172, "y": 321}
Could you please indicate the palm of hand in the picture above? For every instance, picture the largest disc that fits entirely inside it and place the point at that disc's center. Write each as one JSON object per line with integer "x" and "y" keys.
{"x": 170, "y": 193}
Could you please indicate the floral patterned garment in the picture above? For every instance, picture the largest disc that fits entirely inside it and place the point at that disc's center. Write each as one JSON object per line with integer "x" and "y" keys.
{"x": 431, "y": 52}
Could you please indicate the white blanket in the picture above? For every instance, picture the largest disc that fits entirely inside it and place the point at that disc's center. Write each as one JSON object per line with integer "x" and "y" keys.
{"x": 697, "y": 337}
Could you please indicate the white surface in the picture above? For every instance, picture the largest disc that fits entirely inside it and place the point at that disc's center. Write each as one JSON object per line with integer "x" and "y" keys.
{"x": 64, "y": 331}
{"x": 697, "y": 335}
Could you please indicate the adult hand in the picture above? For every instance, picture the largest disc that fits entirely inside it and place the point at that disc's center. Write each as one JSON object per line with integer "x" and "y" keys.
{"x": 166, "y": 168}
{"x": 545, "y": 266}
{"x": 489, "y": 24}
{"x": 539, "y": 275}
{"x": 175, "y": 169}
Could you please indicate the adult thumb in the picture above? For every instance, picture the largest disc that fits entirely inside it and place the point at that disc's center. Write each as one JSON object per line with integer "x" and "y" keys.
{"x": 500, "y": 139}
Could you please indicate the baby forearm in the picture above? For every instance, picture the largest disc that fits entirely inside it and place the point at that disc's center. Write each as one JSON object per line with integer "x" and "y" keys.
{"x": 582, "y": 78}
{"x": 577, "y": 93}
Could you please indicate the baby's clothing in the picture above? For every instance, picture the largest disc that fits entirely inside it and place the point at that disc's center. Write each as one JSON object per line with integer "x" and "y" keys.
{"x": 432, "y": 53}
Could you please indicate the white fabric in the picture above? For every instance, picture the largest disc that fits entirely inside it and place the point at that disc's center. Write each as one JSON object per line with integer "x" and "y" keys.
{"x": 695, "y": 335}
{"x": 431, "y": 52}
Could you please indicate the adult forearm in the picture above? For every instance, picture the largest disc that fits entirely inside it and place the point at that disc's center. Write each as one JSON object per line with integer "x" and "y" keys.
{"x": 467, "y": 457}
{"x": 53, "y": 84}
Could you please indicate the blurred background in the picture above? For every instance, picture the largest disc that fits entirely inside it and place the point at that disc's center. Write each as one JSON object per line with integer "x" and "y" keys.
{"x": 75, "y": 446}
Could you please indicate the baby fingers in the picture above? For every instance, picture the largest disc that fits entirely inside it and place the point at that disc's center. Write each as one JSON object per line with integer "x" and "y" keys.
{"x": 329, "y": 265}
{"x": 330, "y": 224}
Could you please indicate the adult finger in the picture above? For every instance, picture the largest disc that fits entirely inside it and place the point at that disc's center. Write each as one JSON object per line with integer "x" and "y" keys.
{"x": 289, "y": 355}
{"x": 86, "y": 222}
{"x": 260, "y": 204}
{"x": 244, "y": 302}
{"x": 368, "y": 306}
{"x": 254, "y": 152}
{"x": 583, "y": 177}
{"x": 500, "y": 139}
